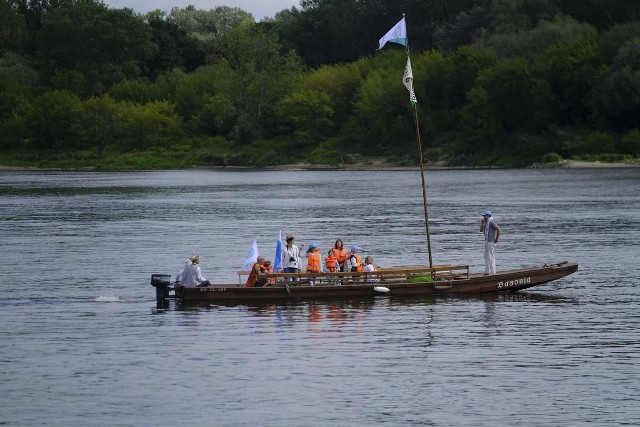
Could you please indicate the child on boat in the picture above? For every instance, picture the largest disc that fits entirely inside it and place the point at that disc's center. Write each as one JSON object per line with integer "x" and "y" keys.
{"x": 331, "y": 261}
{"x": 368, "y": 261}
{"x": 314, "y": 261}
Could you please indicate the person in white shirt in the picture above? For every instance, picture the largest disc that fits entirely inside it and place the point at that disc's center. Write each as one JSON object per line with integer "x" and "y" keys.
{"x": 368, "y": 267}
{"x": 191, "y": 275}
{"x": 291, "y": 256}
{"x": 491, "y": 235}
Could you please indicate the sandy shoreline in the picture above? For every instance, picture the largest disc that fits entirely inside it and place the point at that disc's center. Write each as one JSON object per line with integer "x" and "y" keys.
{"x": 575, "y": 164}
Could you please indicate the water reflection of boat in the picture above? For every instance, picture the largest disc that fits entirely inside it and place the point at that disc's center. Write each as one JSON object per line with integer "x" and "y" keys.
{"x": 447, "y": 281}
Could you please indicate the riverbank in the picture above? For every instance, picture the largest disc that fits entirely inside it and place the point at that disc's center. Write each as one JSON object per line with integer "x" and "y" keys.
{"x": 375, "y": 163}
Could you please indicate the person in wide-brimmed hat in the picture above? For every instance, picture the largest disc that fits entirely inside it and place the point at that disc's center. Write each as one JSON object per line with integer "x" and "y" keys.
{"x": 491, "y": 235}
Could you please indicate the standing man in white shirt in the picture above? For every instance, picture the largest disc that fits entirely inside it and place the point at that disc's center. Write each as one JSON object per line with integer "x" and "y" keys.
{"x": 491, "y": 235}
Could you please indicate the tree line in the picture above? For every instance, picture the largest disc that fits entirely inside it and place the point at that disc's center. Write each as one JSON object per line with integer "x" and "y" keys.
{"x": 509, "y": 82}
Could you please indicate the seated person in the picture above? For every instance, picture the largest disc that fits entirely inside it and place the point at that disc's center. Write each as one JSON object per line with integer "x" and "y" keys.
{"x": 258, "y": 268}
{"x": 191, "y": 274}
{"x": 269, "y": 270}
{"x": 368, "y": 261}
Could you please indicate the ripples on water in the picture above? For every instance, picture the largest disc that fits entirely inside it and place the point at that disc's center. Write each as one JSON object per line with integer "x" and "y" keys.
{"x": 83, "y": 345}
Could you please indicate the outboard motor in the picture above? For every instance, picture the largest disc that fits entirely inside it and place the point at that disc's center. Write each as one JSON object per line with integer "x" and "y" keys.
{"x": 161, "y": 282}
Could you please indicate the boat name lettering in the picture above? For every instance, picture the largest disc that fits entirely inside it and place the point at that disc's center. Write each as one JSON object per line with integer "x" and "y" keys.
{"x": 209, "y": 289}
{"x": 512, "y": 283}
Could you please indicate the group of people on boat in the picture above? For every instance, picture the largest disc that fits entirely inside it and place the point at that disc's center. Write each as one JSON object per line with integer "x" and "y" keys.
{"x": 336, "y": 260}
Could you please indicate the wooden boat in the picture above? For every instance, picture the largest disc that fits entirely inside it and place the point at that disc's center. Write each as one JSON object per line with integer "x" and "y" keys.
{"x": 449, "y": 280}
{"x": 445, "y": 280}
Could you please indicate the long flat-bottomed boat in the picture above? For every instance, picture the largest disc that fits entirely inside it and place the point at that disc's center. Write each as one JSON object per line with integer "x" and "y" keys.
{"x": 444, "y": 280}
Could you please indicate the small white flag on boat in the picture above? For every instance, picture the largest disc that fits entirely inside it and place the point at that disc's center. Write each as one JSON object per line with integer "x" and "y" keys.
{"x": 251, "y": 258}
{"x": 408, "y": 82}
{"x": 398, "y": 34}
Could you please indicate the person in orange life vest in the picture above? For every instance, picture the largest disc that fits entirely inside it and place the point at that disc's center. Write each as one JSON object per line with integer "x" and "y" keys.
{"x": 340, "y": 253}
{"x": 354, "y": 262}
{"x": 368, "y": 261}
{"x": 331, "y": 261}
{"x": 314, "y": 261}
{"x": 258, "y": 268}
{"x": 269, "y": 270}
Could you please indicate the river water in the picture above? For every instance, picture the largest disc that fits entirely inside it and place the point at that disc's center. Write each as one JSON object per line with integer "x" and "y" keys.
{"x": 82, "y": 343}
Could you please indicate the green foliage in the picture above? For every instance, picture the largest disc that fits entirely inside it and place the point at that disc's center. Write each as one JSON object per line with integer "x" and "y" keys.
{"x": 572, "y": 72}
{"x": 531, "y": 43}
{"x": 258, "y": 76}
{"x": 176, "y": 49}
{"x": 308, "y": 112}
{"x": 552, "y": 158}
{"x": 105, "y": 45}
{"x": 327, "y": 153}
{"x": 13, "y": 28}
{"x": 17, "y": 89}
{"x": 83, "y": 83}
{"x": 99, "y": 122}
{"x": 619, "y": 96}
{"x": 56, "y": 121}
{"x": 139, "y": 91}
{"x": 217, "y": 116}
{"x": 590, "y": 143}
{"x": 461, "y": 31}
{"x": 630, "y": 143}
{"x": 154, "y": 124}
{"x": 613, "y": 39}
{"x": 507, "y": 97}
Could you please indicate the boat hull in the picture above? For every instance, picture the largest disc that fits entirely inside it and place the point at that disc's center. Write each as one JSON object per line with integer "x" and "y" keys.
{"x": 510, "y": 280}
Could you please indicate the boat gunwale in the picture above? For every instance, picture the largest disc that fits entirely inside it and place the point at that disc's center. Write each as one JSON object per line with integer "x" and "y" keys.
{"x": 476, "y": 283}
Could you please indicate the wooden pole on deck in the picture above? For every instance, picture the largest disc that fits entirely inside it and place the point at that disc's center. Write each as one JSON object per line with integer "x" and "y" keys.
{"x": 421, "y": 158}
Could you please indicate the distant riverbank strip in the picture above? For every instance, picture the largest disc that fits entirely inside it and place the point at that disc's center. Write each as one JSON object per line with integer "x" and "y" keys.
{"x": 368, "y": 164}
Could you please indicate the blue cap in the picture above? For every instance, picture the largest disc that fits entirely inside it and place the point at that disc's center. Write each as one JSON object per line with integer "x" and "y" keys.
{"x": 355, "y": 248}
{"x": 312, "y": 245}
{"x": 487, "y": 212}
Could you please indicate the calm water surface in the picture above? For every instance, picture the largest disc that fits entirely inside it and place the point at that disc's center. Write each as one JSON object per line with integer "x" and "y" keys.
{"x": 83, "y": 345}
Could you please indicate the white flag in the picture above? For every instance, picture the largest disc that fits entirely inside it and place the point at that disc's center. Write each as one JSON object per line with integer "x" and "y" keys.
{"x": 408, "y": 76}
{"x": 398, "y": 34}
{"x": 252, "y": 257}
{"x": 408, "y": 82}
